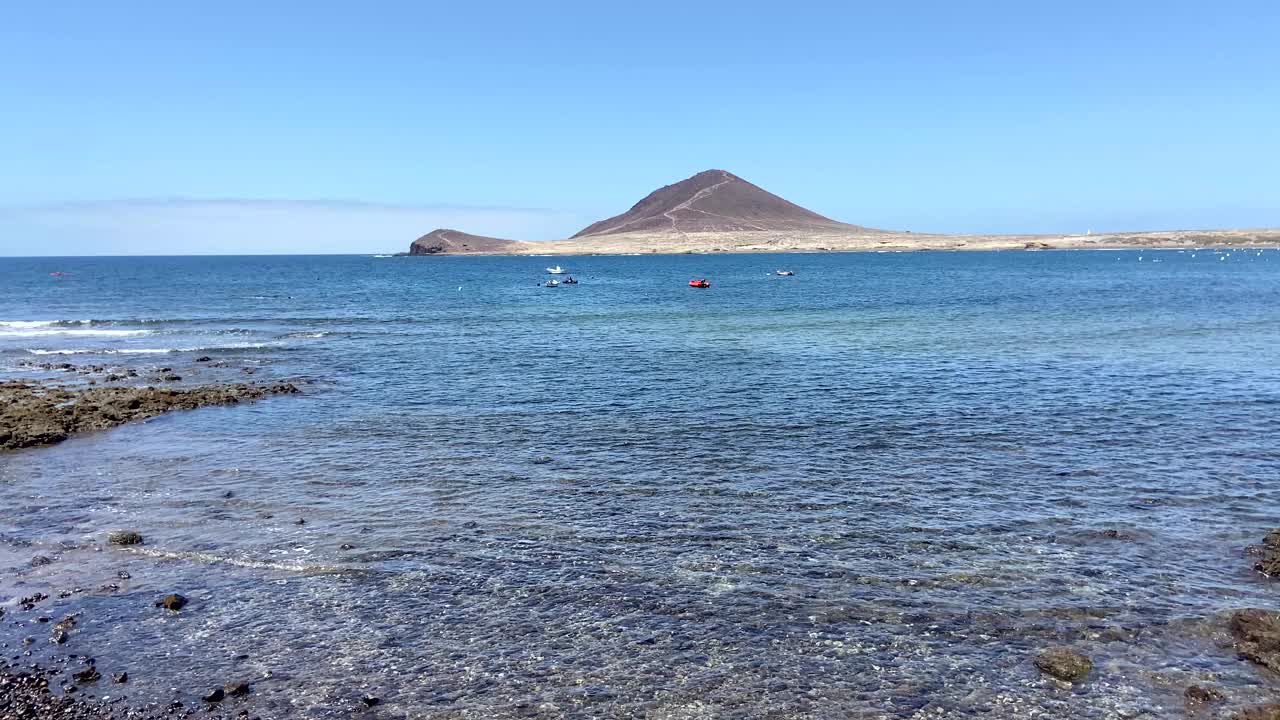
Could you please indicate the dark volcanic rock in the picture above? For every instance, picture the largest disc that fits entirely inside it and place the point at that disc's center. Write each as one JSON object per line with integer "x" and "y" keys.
{"x": 172, "y": 602}
{"x": 236, "y": 689}
{"x": 714, "y": 201}
{"x": 26, "y": 694}
{"x": 41, "y": 560}
{"x": 370, "y": 701}
{"x": 1257, "y": 636}
{"x": 1197, "y": 694}
{"x": 1269, "y": 565}
{"x": 1269, "y": 552}
{"x": 33, "y": 415}
{"x": 1064, "y": 664}
{"x": 62, "y": 630}
{"x": 120, "y": 677}
{"x": 216, "y": 696}
{"x": 88, "y": 675}
{"x": 125, "y": 537}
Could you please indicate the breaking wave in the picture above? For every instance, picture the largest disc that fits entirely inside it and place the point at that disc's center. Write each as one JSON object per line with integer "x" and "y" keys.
{"x": 152, "y": 351}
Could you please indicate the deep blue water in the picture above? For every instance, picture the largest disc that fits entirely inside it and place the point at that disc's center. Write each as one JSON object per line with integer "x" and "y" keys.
{"x": 874, "y": 489}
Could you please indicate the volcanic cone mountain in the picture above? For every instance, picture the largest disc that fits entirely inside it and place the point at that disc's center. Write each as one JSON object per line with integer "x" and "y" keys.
{"x": 713, "y": 201}
{"x": 716, "y": 211}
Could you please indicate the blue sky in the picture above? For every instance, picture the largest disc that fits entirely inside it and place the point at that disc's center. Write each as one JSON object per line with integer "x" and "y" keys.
{"x": 141, "y": 127}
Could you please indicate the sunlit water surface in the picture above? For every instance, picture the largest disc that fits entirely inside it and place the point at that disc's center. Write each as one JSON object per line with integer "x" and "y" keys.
{"x": 874, "y": 489}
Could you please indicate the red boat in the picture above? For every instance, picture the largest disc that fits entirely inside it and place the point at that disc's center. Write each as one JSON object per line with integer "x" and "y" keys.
{"x": 699, "y": 283}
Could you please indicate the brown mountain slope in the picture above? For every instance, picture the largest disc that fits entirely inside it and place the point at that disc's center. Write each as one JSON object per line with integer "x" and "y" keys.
{"x": 444, "y": 240}
{"x": 713, "y": 201}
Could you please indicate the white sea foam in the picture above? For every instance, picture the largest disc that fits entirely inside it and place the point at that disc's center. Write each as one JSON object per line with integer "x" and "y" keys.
{"x": 31, "y": 324}
{"x": 150, "y": 351}
{"x": 212, "y": 559}
{"x": 46, "y": 331}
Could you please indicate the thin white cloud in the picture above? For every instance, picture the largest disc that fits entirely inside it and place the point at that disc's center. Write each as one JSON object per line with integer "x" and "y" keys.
{"x": 179, "y": 226}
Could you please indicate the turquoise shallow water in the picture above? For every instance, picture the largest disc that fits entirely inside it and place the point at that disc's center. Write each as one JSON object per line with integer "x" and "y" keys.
{"x": 874, "y": 489}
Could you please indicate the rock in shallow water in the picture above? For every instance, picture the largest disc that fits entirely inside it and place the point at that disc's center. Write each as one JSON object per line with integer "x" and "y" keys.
{"x": 1257, "y": 636}
{"x": 32, "y": 414}
{"x": 1064, "y": 664}
{"x": 236, "y": 689}
{"x": 1197, "y": 694}
{"x": 125, "y": 537}
{"x": 216, "y": 696}
{"x": 173, "y": 601}
{"x": 1269, "y": 550}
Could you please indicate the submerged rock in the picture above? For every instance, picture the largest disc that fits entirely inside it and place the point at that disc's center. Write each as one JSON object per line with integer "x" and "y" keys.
{"x": 120, "y": 677}
{"x": 1270, "y": 711}
{"x": 1197, "y": 694}
{"x": 1257, "y": 636}
{"x": 172, "y": 601}
{"x": 125, "y": 537}
{"x": 88, "y": 675}
{"x": 32, "y": 414}
{"x": 1064, "y": 664}
{"x": 236, "y": 689}
{"x": 370, "y": 700}
{"x": 40, "y": 560}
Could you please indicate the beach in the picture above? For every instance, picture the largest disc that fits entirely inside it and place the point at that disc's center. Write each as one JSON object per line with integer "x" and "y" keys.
{"x": 893, "y": 485}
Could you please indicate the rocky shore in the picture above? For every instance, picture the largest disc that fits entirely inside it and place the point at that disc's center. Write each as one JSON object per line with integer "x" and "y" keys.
{"x": 34, "y": 414}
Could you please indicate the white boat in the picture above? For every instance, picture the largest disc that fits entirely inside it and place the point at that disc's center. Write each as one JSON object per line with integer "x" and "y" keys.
{"x": 557, "y": 270}
{"x": 552, "y": 283}
{"x": 784, "y": 273}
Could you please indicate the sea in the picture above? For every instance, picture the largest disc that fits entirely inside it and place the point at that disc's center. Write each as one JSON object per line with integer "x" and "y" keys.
{"x": 875, "y": 489}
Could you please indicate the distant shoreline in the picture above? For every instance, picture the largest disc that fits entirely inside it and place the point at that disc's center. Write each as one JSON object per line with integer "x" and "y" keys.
{"x": 723, "y": 243}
